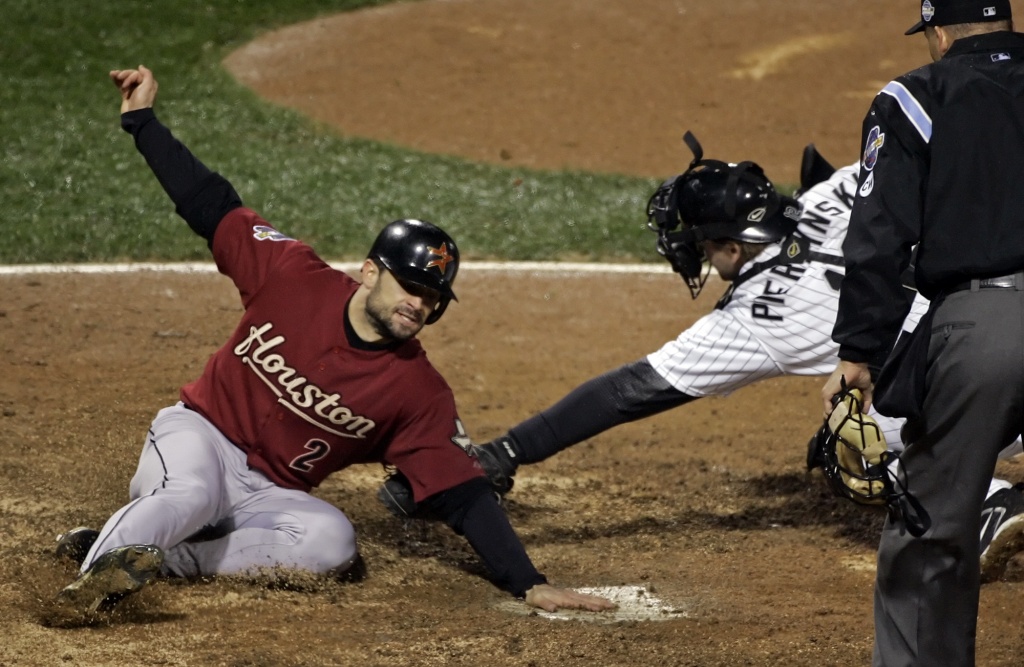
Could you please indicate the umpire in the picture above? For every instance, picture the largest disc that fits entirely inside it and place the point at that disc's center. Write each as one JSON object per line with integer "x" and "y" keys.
{"x": 942, "y": 165}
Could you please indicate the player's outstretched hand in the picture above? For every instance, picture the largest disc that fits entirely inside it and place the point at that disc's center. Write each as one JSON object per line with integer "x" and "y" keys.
{"x": 137, "y": 86}
{"x": 550, "y": 598}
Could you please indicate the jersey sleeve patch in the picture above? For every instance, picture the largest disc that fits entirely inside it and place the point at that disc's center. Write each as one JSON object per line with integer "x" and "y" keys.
{"x": 265, "y": 233}
{"x": 872, "y": 146}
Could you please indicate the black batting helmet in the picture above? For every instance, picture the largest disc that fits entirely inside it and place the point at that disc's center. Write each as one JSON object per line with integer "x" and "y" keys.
{"x": 421, "y": 253}
{"x": 713, "y": 201}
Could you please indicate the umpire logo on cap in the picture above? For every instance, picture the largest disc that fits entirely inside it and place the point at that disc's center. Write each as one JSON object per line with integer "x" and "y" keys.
{"x": 952, "y": 12}
{"x": 927, "y": 10}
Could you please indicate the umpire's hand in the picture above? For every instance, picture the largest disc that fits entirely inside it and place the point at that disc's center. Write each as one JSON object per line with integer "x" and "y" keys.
{"x": 856, "y": 376}
{"x": 137, "y": 86}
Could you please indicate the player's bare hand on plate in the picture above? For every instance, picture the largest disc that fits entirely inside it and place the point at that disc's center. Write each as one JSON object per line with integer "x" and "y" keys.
{"x": 550, "y": 598}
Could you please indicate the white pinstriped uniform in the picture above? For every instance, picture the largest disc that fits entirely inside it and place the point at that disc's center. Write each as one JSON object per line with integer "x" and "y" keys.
{"x": 778, "y": 322}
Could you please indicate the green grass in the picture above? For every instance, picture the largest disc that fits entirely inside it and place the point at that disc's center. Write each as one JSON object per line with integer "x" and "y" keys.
{"x": 73, "y": 188}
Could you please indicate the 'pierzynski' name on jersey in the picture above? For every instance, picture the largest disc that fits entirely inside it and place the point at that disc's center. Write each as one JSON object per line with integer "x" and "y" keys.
{"x": 777, "y": 321}
{"x": 823, "y": 222}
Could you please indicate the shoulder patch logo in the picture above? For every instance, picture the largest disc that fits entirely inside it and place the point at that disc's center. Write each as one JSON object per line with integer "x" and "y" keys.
{"x": 264, "y": 233}
{"x": 876, "y": 139}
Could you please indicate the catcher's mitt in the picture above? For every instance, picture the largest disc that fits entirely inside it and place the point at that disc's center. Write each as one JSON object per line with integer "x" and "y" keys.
{"x": 855, "y": 454}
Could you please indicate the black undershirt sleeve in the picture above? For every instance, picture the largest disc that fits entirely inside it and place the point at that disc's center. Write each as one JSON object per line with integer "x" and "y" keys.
{"x": 200, "y": 196}
{"x": 472, "y": 509}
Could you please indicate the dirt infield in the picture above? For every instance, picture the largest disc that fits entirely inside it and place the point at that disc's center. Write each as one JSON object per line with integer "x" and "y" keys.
{"x": 600, "y": 85}
{"x": 707, "y": 507}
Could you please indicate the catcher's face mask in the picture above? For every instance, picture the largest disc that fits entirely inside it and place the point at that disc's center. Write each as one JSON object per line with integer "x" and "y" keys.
{"x": 681, "y": 247}
{"x": 859, "y": 466}
{"x": 714, "y": 201}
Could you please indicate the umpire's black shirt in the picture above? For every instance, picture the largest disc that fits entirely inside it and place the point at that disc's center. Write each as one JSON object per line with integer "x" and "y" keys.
{"x": 943, "y": 167}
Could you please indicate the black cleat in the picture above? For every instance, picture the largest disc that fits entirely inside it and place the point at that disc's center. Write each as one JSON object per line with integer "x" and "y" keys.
{"x": 497, "y": 458}
{"x": 816, "y": 451}
{"x": 1002, "y": 531}
{"x": 114, "y": 575}
{"x": 75, "y": 544}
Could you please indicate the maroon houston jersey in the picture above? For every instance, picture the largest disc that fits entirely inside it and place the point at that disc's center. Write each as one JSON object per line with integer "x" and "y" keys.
{"x": 301, "y": 394}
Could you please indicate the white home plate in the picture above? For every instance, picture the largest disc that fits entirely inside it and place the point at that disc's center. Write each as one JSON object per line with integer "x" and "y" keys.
{"x": 636, "y": 603}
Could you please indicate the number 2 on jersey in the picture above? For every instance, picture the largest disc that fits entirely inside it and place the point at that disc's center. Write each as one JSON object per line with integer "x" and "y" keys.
{"x": 318, "y": 449}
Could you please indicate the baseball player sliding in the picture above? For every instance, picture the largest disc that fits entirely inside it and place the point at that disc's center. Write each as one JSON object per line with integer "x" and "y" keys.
{"x": 784, "y": 260}
{"x": 321, "y": 372}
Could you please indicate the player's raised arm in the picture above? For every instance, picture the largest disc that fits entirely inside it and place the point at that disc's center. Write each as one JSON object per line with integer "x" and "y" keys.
{"x": 200, "y": 196}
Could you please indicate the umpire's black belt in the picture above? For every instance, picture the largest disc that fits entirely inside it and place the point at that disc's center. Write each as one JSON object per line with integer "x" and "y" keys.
{"x": 1014, "y": 280}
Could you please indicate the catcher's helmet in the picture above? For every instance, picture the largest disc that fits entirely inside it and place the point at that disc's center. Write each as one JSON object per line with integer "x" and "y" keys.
{"x": 713, "y": 201}
{"x": 419, "y": 252}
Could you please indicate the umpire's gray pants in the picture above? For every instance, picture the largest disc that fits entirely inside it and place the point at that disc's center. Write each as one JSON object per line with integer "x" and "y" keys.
{"x": 927, "y": 588}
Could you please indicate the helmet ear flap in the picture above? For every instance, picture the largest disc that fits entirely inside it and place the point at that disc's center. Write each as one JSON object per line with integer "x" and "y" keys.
{"x": 442, "y": 305}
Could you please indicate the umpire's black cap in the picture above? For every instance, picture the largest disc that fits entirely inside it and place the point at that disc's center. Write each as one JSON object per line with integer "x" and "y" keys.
{"x": 950, "y": 12}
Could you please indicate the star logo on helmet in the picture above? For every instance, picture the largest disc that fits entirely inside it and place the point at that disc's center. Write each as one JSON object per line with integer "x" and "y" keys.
{"x": 443, "y": 257}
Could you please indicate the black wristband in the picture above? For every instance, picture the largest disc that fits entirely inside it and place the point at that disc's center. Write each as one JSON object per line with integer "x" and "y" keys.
{"x": 132, "y": 121}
